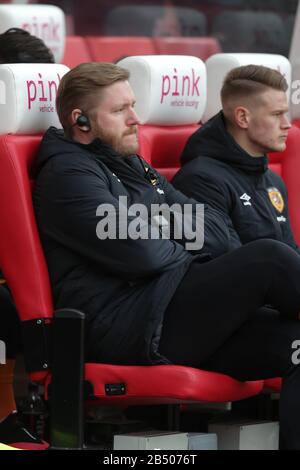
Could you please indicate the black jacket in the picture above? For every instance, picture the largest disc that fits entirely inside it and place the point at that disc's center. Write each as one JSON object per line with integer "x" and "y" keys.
{"x": 122, "y": 285}
{"x": 217, "y": 171}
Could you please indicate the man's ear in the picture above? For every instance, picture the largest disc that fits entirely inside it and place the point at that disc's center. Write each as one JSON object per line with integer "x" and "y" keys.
{"x": 75, "y": 115}
{"x": 242, "y": 117}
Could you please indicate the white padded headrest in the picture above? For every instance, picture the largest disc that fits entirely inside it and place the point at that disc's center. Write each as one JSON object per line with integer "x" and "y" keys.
{"x": 219, "y": 65}
{"x": 44, "y": 21}
{"x": 169, "y": 90}
{"x": 295, "y": 92}
{"x": 27, "y": 97}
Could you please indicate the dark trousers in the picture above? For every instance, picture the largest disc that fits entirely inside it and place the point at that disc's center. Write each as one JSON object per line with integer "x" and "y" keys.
{"x": 217, "y": 321}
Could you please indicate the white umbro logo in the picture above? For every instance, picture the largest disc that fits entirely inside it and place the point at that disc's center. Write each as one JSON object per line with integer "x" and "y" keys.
{"x": 116, "y": 177}
{"x": 246, "y": 198}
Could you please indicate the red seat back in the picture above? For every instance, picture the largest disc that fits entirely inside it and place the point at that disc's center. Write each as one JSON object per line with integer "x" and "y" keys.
{"x": 296, "y": 122}
{"x": 114, "y": 48}
{"x": 76, "y": 51}
{"x": 21, "y": 256}
{"x": 287, "y": 165}
{"x": 202, "y": 47}
{"x": 162, "y": 146}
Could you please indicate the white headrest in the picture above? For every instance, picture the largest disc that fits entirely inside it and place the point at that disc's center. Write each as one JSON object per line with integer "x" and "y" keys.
{"x": 219, "y": 65}
{"x": 27, "y": 97}
{"x": 295, "y": 92}
{"x": 169, "y": 90}
{"x": 44, "y": 21}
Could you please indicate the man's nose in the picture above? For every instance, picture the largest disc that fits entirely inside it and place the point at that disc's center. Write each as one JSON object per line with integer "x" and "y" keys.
{"x": 133, "y": 117}
{"x": 286, "y": 124}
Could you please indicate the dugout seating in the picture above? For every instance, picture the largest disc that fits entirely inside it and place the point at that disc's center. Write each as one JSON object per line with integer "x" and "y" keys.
{"x": 49, "y": 356}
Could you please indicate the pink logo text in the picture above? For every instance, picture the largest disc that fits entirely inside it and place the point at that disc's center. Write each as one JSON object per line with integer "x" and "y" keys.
{"x": 48, "y": 30}
{"x": 42, "y": 90}
{"x": 185, "y": 85}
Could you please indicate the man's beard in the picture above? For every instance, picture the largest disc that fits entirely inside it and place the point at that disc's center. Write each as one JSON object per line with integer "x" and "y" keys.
{"x": 117, "y": 143}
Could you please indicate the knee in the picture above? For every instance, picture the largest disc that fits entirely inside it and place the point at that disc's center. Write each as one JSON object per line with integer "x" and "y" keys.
{"x": 272, "y": 249}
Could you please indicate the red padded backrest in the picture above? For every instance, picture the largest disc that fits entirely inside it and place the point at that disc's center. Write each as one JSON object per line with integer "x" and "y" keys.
{"x": 76, "y": 51}
{"x": 162, "y": 146}
{"x": 21, "y": 256}
{"x": 114, "y": 48}
{"x": 289, "y": 161}
{"x": 276, "y": 167}
{"x": 202, "y": 47}
{"x": 296, "y": 122}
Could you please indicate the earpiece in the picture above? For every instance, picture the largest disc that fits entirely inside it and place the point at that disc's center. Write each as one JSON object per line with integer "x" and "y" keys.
{"x": 83, "y": 121}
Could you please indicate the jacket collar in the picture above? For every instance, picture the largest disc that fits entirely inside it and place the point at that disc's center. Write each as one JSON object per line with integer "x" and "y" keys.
{"x": 214, "y": 141}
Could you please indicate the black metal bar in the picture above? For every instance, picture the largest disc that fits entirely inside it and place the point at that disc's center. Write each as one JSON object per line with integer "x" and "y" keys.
{"x": 66, "y": 402}
{"x": 37, "y": 343}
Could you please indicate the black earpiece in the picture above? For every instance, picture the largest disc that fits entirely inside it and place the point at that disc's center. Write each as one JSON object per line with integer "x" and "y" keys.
{"x": 83, "y": 121}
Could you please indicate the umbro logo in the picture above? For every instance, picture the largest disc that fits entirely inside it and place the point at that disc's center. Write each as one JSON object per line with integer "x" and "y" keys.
{"x": 246, "y": 199}
{"x": 116, "y": 177}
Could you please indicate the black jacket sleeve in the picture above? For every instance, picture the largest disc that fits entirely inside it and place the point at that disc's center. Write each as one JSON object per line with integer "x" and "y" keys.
{"x": 204, "y": 189}
{"x": 216, "y": 234}
{"x": 69, "y": 213}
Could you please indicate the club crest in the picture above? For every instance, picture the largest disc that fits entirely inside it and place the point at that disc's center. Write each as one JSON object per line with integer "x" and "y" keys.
{"x": 276, "y": 199}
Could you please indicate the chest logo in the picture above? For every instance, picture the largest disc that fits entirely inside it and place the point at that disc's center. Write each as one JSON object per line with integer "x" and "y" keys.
{"x": 246, "y": 199}
{"x": 116, "y": 177}
{"x": 276, "y": 199}
{"x": 160, "y": 191}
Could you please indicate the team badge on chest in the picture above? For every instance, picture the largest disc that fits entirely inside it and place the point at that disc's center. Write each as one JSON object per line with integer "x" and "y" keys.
{"x": 276, "y": 199}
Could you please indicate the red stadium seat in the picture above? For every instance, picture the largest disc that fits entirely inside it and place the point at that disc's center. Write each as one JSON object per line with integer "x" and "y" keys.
{"x": 54, "y": 341}
{"x": 202, "y": 47}
{"x": 114, "y": 48}
{"x": 23, "y": 263}
{"x": 76, "y": 51}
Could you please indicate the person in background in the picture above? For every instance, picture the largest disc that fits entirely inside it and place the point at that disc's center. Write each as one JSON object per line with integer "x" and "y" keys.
{"x": 225, "y": 162}
{"x": 16, "y": 46}
{"x": 150, "y": 297}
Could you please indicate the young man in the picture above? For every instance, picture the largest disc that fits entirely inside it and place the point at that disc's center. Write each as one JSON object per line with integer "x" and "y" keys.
{"x": 155, "y": 300}
{"x": 16, "y": 45}
{"x": 225, "y": 162}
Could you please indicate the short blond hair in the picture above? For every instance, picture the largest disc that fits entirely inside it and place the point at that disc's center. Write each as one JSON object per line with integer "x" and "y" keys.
{"x": 250, "y": 80}
{"x": 78, "y": 87}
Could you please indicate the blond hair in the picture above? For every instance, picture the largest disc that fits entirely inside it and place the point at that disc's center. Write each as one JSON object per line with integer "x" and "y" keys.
{"x": 250, "y": 80}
